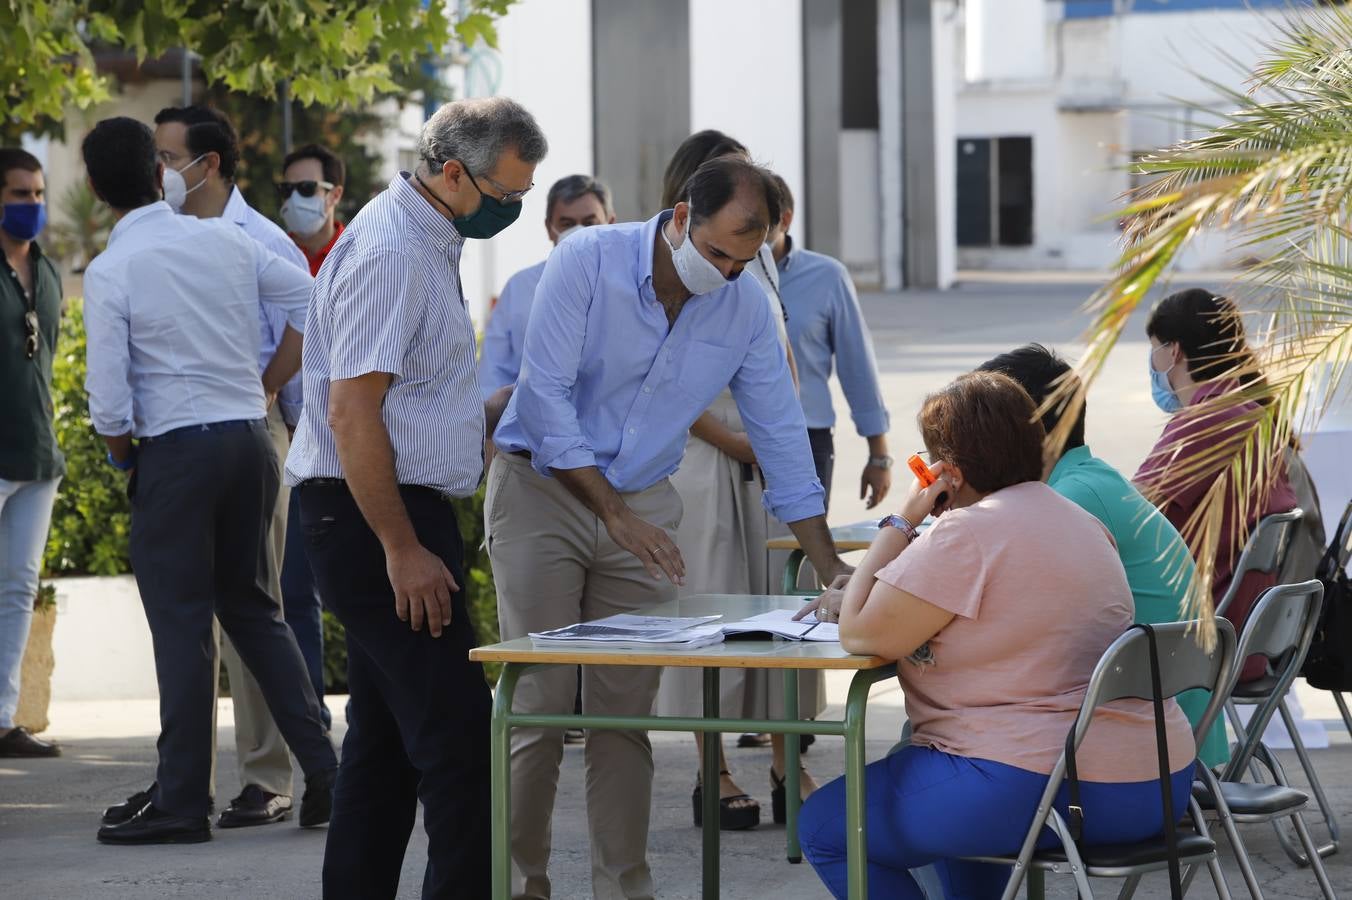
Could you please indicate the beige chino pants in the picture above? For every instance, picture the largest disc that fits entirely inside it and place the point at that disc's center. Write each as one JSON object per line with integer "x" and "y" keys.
{"x": 554, "y": 564}
{"x": 264, "y": 758}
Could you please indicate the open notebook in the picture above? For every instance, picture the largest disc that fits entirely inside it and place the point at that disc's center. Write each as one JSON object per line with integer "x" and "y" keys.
{"x": 630, "y": 632}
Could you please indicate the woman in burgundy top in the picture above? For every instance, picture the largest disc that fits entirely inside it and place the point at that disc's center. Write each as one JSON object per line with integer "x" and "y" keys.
{"x": 1198, "y": 354}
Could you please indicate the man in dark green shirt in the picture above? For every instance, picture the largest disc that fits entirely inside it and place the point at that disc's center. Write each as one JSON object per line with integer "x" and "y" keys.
{"x": 31, "y": 465}
{"x": 1158, "y": 563}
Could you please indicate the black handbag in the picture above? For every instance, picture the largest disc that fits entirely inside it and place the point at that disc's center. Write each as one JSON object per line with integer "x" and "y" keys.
{"x": 1328, "y": 665}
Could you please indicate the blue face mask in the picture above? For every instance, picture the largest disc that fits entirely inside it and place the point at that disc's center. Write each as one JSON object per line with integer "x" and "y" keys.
{"x": 1160, "y": 390}
{"x": 24, "y": 221}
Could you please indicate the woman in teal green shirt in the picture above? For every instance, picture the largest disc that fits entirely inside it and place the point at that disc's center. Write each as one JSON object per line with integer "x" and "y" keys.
{"x": 1158, "y": 564}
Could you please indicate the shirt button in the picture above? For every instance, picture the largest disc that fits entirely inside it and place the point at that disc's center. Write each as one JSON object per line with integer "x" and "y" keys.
{"x": 647, "y": 390}
{"x": 631, "y": 431}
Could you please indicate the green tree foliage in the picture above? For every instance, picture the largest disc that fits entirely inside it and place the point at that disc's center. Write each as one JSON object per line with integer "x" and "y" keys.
{"x": 333, "y": 52}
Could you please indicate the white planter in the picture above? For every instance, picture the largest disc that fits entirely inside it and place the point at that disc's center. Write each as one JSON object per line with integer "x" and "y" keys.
{"x": 102, "y": 644}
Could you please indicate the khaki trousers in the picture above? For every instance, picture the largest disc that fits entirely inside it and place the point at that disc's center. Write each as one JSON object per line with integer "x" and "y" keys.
{"x": 263, "y": 756}
{"x": 554, "y": 564}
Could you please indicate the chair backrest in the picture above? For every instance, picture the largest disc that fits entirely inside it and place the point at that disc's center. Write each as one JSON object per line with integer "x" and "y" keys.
{"x": 1264, "y": 551}
{"x": 1280, "y": 627}
{"x": 1124, "y": 669}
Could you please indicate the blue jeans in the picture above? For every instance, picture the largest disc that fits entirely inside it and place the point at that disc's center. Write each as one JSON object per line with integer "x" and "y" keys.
{"x": 300, "y": 603}
{"x": 25, "y": 515}
{"x": 923, "y": 806}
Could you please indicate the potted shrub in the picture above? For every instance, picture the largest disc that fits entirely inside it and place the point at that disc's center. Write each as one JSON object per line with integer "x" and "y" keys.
{"x": 35, "y": 673}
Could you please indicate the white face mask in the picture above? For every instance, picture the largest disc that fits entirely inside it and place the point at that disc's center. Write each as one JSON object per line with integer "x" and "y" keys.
{"x": 697, "y": 274}
{"x": 176, "y": 190}
{"x": 558, "y": 238}
{"x": 304, "y": 216}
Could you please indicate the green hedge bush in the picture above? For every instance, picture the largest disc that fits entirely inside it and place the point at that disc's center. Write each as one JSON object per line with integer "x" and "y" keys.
{"x": 91, "y": 521}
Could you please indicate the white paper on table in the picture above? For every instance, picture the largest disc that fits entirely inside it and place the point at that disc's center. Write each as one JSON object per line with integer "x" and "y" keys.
{"x": 780, "y": 623}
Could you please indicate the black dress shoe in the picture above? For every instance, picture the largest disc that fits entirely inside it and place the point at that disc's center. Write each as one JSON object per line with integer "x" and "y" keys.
{"x": 317, "y": 804}
{"x": 255, "y": 806}
{"x": 152, "y": 826}
{"x": 122, "y": 812}
{"x": 20, "y": 744}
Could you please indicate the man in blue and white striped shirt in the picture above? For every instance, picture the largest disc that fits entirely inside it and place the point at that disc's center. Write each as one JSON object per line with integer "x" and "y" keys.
{"x": 392, "y": 429}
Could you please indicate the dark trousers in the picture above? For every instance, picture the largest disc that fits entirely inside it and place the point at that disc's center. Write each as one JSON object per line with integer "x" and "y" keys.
{"x": 418, "y": 723}
{"x": 823, "y": 457}
{"x": 201, "y": 503}
{"x": 300, "y": 603}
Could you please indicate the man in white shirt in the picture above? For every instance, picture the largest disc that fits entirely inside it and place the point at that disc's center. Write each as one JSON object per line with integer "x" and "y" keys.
{"x": 202, "y": 143}
{"x": 171, "y": 312}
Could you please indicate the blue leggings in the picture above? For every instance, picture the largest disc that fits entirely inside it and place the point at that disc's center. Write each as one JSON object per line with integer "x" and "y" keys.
{"x": 923, "y": 806}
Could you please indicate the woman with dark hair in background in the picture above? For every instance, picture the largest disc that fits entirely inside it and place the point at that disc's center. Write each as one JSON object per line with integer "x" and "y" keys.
{"x": 724, "y": 529}
{"x": 1198, "y": 354}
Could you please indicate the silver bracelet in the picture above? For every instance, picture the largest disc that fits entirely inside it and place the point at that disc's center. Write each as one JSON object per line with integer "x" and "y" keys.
{"x": 901, "y": 524}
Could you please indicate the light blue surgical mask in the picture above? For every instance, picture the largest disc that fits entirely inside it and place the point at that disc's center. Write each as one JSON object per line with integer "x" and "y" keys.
{"x": 1163, "y": 393}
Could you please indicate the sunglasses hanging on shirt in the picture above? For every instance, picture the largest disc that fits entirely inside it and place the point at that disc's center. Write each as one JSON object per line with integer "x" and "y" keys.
{"x": 304, "y": 188}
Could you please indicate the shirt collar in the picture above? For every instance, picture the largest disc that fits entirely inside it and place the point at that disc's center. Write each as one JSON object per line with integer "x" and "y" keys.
{"x": 236, "y": 207}
{"x": 318, "y": 256}
{"x": 420, "y": 210}
{"x": 1210, "y": 389}
{"x": 647, "y": 239}
{"x": 127, "y": 222}
{"x": 789, "y": 254}
{"x": 1073, "y": 457}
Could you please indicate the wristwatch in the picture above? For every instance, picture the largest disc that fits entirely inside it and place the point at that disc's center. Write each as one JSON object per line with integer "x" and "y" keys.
{"x": 899, "y": 523}
{"x": 880, "y": 462}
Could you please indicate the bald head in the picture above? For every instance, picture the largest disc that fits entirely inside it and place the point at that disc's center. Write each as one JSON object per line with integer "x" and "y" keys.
{"x": 737, "y": 191}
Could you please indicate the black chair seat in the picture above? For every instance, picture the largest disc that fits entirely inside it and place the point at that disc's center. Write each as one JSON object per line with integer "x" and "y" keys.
{"x": 1249, "y": 799}
{"x": 1257, "y": 689}
{"x": 1145, "y": 853}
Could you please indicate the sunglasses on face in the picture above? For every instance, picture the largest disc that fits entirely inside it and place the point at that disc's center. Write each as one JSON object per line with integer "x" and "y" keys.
{"x": 304, "y": 188}
{"x": 30, "y": 321}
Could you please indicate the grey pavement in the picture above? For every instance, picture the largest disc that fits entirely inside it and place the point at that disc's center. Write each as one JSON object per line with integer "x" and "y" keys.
{"x": 49, "y": 808}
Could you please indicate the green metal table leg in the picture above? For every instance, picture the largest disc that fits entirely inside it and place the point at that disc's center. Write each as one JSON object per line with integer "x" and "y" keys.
{"x": 792, "y": 771}
{"x": 1037, "y": 884}
{"x": 791, "y": 568}
{"x": 709, "y": 779}
{"x": 856, "y": 843}
{"x": 500, "y": 734}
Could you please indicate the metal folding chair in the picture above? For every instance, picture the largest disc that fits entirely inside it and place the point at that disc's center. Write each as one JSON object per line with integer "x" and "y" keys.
{"x": 1124, "y": 672}
{"x": 1280, "y": 627}
{"x": 1266, "y": 552}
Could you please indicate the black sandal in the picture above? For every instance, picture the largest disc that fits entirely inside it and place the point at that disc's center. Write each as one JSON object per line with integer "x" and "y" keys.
{"x": 752, "y": 741}
{"x": 778, "y": 795}
{"x": 730, "y": 818}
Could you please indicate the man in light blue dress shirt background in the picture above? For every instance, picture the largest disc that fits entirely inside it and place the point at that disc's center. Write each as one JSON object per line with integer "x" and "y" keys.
{"x": 827, "y": 330}
{"x": 574, "y": 202}
{"x": 171, "y": 312}
{"x": 636, "y": 329}
{"x": 182, "y": 135}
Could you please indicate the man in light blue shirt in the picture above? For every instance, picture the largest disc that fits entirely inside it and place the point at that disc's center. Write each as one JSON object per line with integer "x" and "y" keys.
{"x": 636, "y": 329}
{"x": 171, "y": 313}
{"x": 204, "y": 135}
{"x": 827, "y": 329}
{"x": 574, "y": 202}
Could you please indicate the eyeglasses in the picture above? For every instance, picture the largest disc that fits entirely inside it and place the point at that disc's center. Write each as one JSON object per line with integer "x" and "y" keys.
{"x": 508, "y": 196}
{"x": 304, "y": 188}
{"x": 30, "y": 321}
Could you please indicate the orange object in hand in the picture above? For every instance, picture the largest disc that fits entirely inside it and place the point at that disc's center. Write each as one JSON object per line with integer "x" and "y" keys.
{"x": 922, "y": 471}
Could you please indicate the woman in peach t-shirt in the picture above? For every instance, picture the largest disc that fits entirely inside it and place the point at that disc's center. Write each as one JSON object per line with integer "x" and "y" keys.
{"x": 1011, "y": 597}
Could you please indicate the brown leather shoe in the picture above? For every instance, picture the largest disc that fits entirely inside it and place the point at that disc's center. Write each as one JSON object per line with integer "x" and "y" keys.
{"x": 20, "y": 744}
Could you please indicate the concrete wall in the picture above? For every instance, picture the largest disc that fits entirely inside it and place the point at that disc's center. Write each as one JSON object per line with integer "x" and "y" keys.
{"x": 102, "y": 642}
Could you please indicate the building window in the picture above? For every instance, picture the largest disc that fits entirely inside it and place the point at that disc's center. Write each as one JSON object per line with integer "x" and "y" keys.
{"x": 995, "y": 192}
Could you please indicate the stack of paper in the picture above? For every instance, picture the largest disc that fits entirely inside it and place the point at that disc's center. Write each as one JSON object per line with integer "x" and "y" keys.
{"x": 779, "y": 623}
{"x": 631, "y": 632}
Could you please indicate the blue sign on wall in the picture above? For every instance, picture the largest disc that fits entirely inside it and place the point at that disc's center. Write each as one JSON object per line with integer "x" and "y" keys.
{"x": 1088, "y": 9}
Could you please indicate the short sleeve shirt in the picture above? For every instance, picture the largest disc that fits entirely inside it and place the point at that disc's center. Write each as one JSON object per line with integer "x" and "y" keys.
{"x": 1038, "y": 594}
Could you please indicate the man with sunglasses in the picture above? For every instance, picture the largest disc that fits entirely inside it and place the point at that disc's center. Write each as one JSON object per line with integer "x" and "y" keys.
{"x": 31, "y": 464}
{"x": 200, "y": 152}
{"x": 310, "y": 190}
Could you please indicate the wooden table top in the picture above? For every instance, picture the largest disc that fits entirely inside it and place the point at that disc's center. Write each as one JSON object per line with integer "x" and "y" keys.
{"x": 737, "y": 654}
